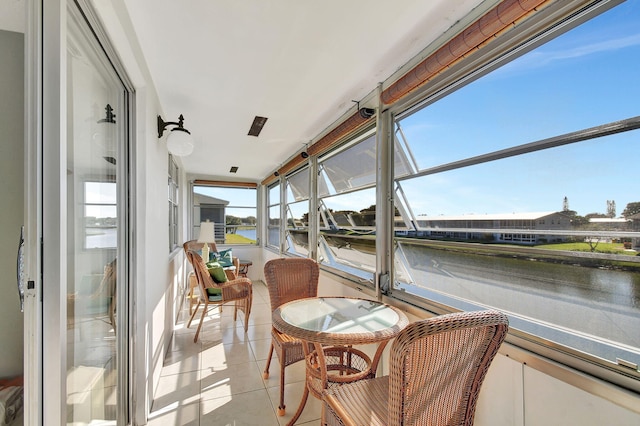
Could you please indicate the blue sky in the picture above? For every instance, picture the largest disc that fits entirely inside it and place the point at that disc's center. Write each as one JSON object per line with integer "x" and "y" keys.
{"x": 584, "y": 78}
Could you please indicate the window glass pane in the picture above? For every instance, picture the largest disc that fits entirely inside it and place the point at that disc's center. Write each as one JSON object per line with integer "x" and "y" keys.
{"x": 273, "y": 224}
{"x": 581, "y": 79}
{"x": 100, "y": 215}
{"x": 232, "y": 209}
{"x": 298, "y": 186}
{"x": 548, "y": 234}
{"x": 352, "y": 168}
{"x": 298, "y": 228}
{"x": 347, "y": 232}
{"x": 274, "y": 194}
{"x": 95, "y": 289}
{"x": 273, "y": 237}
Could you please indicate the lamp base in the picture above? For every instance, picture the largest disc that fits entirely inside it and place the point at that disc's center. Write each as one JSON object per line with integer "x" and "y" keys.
{"x": 205, "y": 252}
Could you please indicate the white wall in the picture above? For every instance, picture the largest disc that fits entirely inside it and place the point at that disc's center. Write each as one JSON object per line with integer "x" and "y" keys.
{"x": 12, "y": 196}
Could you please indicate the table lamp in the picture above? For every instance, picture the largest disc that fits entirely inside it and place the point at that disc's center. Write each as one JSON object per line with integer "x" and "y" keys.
{"x": 207, "y": 235}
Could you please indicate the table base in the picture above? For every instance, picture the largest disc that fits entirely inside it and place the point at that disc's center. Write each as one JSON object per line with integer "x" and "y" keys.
{"x": 342, "y": 364}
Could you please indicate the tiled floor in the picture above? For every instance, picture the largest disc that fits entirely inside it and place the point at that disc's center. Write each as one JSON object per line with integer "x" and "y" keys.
{"x": 218, "y": 381}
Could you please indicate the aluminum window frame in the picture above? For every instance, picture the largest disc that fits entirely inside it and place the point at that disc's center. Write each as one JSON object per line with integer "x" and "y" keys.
{"x": 538, "y": 30}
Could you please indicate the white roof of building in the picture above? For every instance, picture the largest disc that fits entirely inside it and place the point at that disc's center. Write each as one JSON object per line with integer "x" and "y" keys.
{"x": 492, "y": 216}
{"x": 608, "y": 220}
{"x": 205, "y": 199}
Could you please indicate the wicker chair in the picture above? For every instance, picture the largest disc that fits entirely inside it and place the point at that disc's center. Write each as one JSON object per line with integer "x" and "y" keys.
{"x": 436, "y": 368}
{"x": 101, "y": 300}
{"x": 232, "y": 273}
{"x": 288, "y": 279}
{"x": 238, "y": 290}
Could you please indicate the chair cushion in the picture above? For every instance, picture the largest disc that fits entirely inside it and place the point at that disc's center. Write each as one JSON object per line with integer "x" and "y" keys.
{"x": 214, "y": 294}
{"x": 223, "y": 257}
{"x": 217, "y": 272}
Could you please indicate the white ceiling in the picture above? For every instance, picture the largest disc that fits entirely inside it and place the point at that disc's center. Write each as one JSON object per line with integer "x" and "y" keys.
{"x": 300, "y": 63}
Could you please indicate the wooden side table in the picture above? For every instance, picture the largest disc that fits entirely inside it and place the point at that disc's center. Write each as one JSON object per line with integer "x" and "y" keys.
{"x": 244, "y": 268}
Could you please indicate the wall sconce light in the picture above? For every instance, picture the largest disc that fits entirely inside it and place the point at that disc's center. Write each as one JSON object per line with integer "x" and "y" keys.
{"x": 104, "y": 136}
{"x": 179, "y": 141}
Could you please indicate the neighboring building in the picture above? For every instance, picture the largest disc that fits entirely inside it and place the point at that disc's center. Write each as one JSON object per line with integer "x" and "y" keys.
{"x": 212, "y": 209}
{"x": 519, "y": 228}
{"x": 635, "y": 226}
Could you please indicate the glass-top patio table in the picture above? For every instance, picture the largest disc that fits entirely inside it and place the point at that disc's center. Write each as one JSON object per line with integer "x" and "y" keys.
{"x": 331, "y": 326}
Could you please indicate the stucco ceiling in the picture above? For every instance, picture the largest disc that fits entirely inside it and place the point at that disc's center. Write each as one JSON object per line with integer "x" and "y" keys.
{"x": 299, "y": 63}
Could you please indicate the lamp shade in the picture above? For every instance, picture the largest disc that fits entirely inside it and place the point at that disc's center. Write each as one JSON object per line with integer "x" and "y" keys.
{"x": 207, "y": 234}
{"x": 180, "y": 143}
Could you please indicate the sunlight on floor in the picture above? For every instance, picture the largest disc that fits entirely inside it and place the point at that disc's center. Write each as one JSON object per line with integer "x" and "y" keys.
{"x": 218, "y": 380}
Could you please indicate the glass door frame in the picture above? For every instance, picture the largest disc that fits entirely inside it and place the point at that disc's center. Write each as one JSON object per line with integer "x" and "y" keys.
{"x": 46, "y": 215}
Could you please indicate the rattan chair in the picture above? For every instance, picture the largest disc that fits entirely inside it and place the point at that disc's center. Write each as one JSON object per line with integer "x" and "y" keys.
{"x": 239, "y": 291}
{"x": 99, "y": 302}
{"x": 232, "y": 273}
{"x": 436, "y": 368}
{"x": 288, "y": 279}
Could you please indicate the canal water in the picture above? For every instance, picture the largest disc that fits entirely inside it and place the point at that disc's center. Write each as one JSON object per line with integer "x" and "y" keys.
{"x": 597, "y": 308}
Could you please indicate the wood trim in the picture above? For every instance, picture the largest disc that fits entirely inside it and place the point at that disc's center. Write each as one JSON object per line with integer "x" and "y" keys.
{"x": 268, "y": 180}
{"x": 502, "y": 17}
{"x": 223, "y": 183}
{"x": 327, "y": 141}
{"x": 292, "y": 164}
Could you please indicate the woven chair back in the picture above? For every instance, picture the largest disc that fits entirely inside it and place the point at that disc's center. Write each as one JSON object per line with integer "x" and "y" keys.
{"x": 196, "y": 246}
{"x": 291, "y": 279}
{"x": 437, "y": 366}
{"x": 202, "y": 273}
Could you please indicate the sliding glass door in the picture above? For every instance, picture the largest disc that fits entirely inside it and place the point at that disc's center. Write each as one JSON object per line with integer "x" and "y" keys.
{"x": 84, "y": 223}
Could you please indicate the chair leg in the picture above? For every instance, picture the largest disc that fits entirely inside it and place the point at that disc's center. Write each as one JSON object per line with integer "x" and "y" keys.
{"x": 265, "y": 373}
{"x": 303, "y": 402}
{"x": 247, "y": 312}
{"x": 193, "y": 314}
{"x": 204, "y": 312}
{"x": 281, "y": 407}
{"x": 112, "y": 315}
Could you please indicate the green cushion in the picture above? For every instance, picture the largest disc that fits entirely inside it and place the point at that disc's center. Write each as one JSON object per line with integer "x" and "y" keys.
{"x": 217, "y": 273}
{"x": 214, "y": 294}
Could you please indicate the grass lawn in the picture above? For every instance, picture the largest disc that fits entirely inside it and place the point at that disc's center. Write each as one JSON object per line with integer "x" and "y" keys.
{"x": 609, "y": 248}
{"x": 237, "y": 239}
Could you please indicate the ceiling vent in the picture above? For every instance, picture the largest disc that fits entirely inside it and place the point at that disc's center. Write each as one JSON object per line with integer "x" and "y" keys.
{"x": 233, "y": 169}
{"x": 257, "y": 125}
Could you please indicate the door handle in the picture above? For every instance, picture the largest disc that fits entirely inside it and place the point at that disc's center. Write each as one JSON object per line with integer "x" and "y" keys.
{"x": 20, "y": 269}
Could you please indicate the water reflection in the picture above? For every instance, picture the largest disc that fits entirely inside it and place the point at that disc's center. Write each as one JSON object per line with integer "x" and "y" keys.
{"x": 603, "y": 304}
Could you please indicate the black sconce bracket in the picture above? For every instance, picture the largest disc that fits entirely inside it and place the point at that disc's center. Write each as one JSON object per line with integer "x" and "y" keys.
{"x": 110, "y": 117}
{"x": 163, "y": 124}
